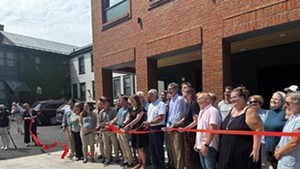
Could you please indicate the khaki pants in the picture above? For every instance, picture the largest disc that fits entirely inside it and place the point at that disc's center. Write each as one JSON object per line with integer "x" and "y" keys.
{"x": 108, "y": 138}
{"x": 177, "y": 149}
{"x": 4, "y": 136}
{"x": 168, "y": 143}
{"x": 88, "y": 139}
{"x": 70, "y": 139}
{"x": 101, "y": 144}
{"x": 125, "y": 147}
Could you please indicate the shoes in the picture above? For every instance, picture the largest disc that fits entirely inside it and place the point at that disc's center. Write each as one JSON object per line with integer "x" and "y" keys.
{"x": 100, "y": 157}
{"x": 124, "y": 164}
{"x": 71, "y": 155}
{"x": 5, "y": 148}
{"x": 102, "y": 160}
{"x": 92, "y": 160}
{"x": 2, "y": 147}
{"x": 130, "y": 165}
{"x": 137, "y": 166}
{"x": 78, "y": 158}
{"x": 107, "y": 163}
{"x": 85, "y": 161}
{"x": 27, "y": 145}
{"x": 117, "y": 161}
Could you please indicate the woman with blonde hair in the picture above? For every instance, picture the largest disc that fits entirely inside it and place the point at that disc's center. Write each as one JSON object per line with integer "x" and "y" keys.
{"x": 29, "y": 115}
{"x": 256, "y": 102}
{"x": 75, "y": 128}
{"x": 274, "y": 122}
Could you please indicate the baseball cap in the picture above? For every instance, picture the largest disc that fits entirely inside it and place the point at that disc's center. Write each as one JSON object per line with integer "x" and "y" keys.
{"x": 104, "y": 99}
{"x": 292, "y": 88}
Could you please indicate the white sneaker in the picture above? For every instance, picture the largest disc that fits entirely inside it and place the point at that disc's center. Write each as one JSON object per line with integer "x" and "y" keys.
{"x": 71, "y": 155}
{"x": 5, "y": 148}
{"x": 2, "y": 147}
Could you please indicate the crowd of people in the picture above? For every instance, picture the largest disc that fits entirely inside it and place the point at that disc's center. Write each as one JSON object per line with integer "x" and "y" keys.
{"x": 182, "y": 112}
{"x": 190, "y": 110}
{"x": 23, "y": 116}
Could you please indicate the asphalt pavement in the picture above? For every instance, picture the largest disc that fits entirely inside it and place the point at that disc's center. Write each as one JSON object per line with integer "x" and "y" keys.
{"x": 46, "y": 134}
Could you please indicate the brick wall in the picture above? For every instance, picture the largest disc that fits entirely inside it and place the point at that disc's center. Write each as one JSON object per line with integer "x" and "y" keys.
{"x": 178, "y": 24}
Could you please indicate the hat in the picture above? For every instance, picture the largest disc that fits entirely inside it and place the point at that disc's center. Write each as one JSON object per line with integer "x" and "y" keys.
{"x": 104, "y": 99}
{"x": 292, "y": 88}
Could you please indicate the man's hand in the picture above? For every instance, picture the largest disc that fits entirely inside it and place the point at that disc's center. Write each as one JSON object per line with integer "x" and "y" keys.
{"x": 177, "y": 124}
{"x": 146, "y": 124}
{"x": 277, "y": 154}
{"x": 195, "y": 148}
{"x": 204, "y": 150}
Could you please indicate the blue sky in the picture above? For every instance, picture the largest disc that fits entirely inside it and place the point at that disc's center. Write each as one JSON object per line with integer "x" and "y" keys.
{"x": 65, "y": 21}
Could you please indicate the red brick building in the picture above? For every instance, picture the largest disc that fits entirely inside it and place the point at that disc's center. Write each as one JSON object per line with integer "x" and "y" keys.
{"x": 210, "y": 43}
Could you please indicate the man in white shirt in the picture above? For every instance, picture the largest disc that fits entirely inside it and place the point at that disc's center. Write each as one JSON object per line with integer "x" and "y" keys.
{"x": 155, "y": 121}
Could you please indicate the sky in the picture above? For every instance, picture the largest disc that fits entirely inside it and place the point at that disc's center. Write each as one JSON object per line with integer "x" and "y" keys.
{"x": 65, "y": 21}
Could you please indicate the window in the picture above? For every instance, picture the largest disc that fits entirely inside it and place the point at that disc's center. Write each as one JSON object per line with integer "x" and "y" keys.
{"x": 116, "y": 87}
{"x": 37, "y": 60}
{"x": 11, "y": 60}
{"x": 113, "y": 9}
{"x": 52, "y": 106}
{"x": 93, "y": 83}
{"x": 2, "y": 90}
{"x": 74, "y": 91}
{"x": 92, "y": 62}
{"x": 157, "y": 3}
{"x": 81, "y": 65}
{"x": 82, "y": 91}
{"x": 127, "y": 85}
{"x": 1, "y": 59}
{"x": 37, "y": 68}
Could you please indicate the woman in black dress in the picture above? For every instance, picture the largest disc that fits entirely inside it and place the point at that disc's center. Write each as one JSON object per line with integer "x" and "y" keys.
{"x": 27, "y": 116}
{"x": 240, "y": 151}
{"x": 135, "y": 120}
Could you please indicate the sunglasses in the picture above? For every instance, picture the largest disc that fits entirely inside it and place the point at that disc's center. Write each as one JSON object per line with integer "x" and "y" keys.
{"x": 288, "y": 103}
{"x": 253, "y": 102}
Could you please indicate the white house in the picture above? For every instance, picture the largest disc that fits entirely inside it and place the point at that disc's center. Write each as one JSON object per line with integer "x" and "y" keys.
{"x": 82, "y": 73}
{"x": 83, "y": 78}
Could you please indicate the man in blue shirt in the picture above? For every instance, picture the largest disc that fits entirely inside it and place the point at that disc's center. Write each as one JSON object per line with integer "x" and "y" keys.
{"x": 124, "y": 138}
{"x": 66, "y": 126}
{"x": 176, "y": 108}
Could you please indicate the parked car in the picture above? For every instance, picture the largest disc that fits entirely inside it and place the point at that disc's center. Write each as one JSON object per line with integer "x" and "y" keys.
{"x": 60, "y": 112}
{"x": 62, "y": 109}
{"x": 46, "y": 110}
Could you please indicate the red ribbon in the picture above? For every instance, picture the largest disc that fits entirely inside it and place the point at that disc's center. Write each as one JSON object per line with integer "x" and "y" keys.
{"x": 90, "y": 154}
{"x": 116, "y": 130}
{"x": 46, "y": 147}
{"x": 232, "y": 132}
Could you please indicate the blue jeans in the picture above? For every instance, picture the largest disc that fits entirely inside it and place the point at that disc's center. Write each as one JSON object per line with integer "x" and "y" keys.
{"x": 209, "y": 161}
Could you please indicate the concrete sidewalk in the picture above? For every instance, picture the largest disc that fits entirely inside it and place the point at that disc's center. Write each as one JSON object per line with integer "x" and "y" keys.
{"x": 50, "y": 161}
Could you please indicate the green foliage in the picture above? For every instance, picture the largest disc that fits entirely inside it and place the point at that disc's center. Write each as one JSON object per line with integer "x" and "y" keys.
{"x": 52, "y": 74}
